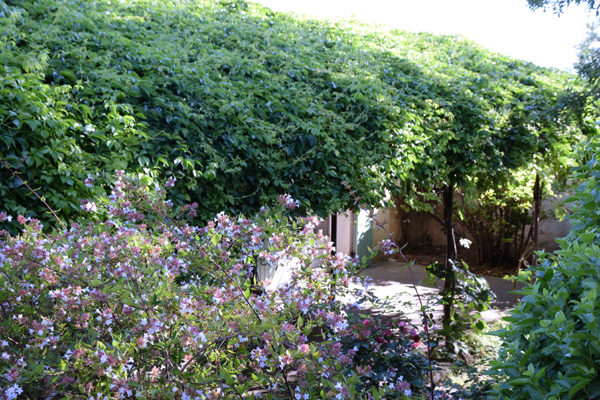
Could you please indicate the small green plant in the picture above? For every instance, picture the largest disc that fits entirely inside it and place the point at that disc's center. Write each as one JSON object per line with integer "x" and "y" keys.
{"x": 469, "y": 295}
{"x": 499, "y": 219}
{"x": 385, "y": 350}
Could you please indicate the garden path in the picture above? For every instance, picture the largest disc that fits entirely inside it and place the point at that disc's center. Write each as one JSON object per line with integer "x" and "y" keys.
{"x": 392, "y": 279}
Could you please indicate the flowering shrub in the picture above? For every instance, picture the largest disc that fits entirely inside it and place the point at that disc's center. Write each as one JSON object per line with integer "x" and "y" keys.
{"x": 135, "y": 302}
{"x": 384, "y": 354}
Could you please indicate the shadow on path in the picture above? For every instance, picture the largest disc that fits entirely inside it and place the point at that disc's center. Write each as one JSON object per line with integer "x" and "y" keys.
{"x": 392, "y": 279}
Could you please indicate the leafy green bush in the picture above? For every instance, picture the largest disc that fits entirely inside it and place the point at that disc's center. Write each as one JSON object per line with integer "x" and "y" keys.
{"x": 378, "y": 344}
{"x": 237, "y": 103}
{"x": 499, "y": 219}
{"x": 136, "y": 303}
{"x": 240, "y": 104}
{"x": 551, "y": 348}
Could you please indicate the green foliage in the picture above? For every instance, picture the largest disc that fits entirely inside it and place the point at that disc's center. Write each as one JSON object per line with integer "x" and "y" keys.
{"x": 237, "y": 103}
{"x": 470, "y": 294}
{"x": 241, "y": 104}
{"x": 588, "y": 64}
{"x": 558, "y": 6}
{"x": 376, "y": 344}
{"x": 551, "y": 348}
{"x": 499, "y": 219}
{"x": 494, "y": 115}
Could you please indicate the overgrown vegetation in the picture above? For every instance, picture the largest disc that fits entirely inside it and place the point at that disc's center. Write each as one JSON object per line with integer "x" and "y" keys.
{"x": 500, "y": 219}
{"x": 135, "y": 302}
{"x": 471, "y": 295}
{"x": 237, "y": 103}
{"x": 552, "y": 344}
{"x": 240, "y": 104}
{"x": 233, "y": 105}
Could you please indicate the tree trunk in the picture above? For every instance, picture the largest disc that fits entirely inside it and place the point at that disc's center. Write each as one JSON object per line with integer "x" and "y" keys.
{"x": 402, "y": 215}
{"x": 537, "y": 210}
{"x": 449, "y": 284}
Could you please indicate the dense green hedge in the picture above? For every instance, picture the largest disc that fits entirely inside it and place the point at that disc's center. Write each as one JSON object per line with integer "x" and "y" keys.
{"x": 241, "y": 104}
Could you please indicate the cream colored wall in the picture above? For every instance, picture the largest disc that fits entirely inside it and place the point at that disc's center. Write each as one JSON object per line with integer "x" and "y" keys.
{"x": 345, "y": 233}
{"x": 422, "y": 229}
{"x": 391, "y": 223}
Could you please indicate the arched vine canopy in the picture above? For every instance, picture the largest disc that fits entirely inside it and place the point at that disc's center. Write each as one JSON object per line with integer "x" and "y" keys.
{"x": 241, "y": 104}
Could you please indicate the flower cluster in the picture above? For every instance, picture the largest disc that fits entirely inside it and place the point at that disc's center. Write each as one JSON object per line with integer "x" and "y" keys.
{"x": 134, "y": 301}
{"x": 288, "y": 202}
{"x": 384, "y": 352}
{"x": 388, "y": 247}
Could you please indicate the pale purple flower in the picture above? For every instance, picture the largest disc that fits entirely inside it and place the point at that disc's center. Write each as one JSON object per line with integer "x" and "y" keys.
{"x": 89, "y": 206}
{"x": 89, "y": 181}
{"x": 13, "y": 392}
{"x": 288, "y": 202}
{"x": 170, "y": 182}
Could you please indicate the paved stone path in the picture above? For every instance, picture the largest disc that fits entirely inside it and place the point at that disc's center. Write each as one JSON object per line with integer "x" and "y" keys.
{"x": 393, "y": 280}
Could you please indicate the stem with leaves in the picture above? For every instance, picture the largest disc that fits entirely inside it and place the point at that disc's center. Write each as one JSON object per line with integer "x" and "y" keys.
{"x": 16, "y": 175}
{"x": 398, "y": 249}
